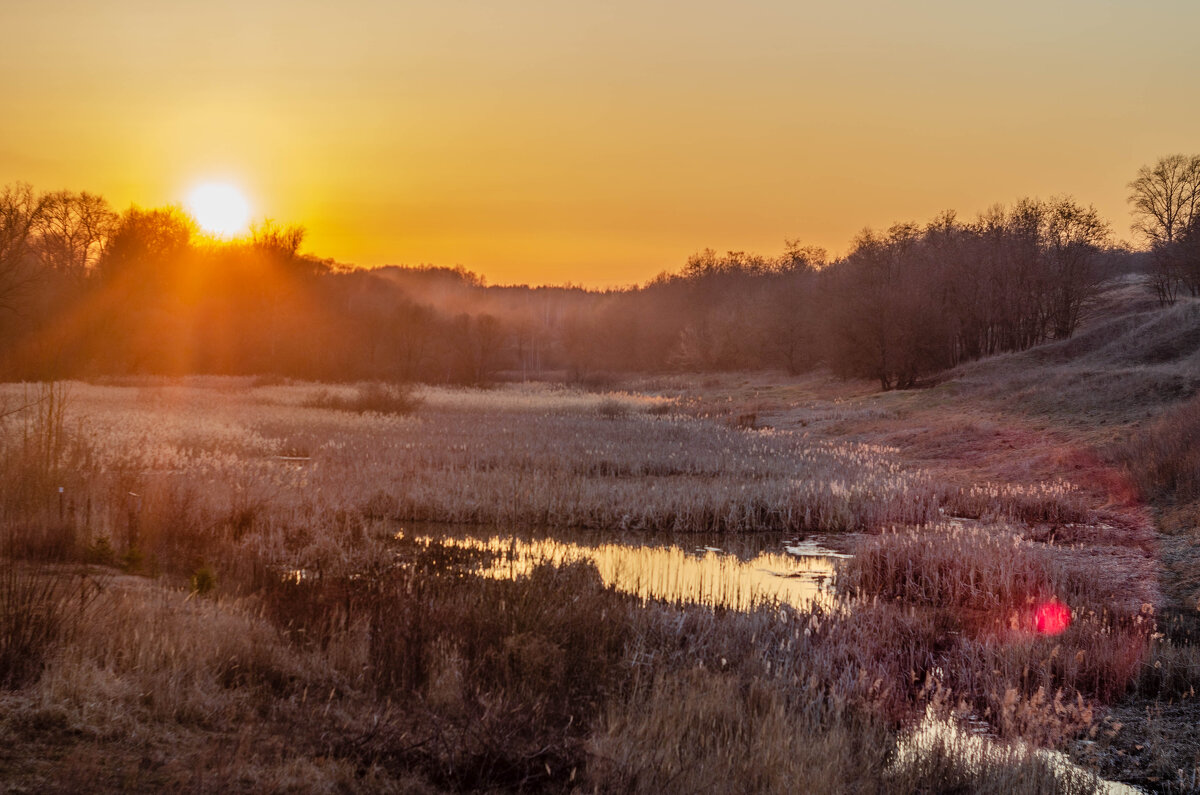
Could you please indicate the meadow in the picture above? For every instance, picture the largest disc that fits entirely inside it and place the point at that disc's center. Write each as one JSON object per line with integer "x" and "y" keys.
{"x": 218, "y": 583}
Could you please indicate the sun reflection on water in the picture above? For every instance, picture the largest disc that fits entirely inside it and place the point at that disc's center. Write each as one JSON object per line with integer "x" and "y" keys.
{"x": 668, "y": 573}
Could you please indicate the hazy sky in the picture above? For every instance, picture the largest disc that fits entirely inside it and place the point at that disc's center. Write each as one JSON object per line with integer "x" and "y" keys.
{"x": 595, "y": 143}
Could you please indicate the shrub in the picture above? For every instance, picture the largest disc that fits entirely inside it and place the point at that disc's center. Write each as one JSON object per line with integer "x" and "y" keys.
{"x": 37, "y": 607}
{"x": 1164, "y": 457}
{"x": 959, "y": 568}
{"x": 701, "y": 731}
{"x": 204, "y": 580}
{"x": 372, "y": 397}
{"x": 612, "y": 409}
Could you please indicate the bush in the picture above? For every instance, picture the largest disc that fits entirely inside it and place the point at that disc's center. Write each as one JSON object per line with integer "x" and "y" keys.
{"x": 1164, "y": 457}
{"x": 38, "y": 606}
{"x": 204, "y": 580}
{"x": 373, "y": 397}
{"x": 611, "y": 409}
{"x": 950, "y": 568}
{"x": 701, "y": 731}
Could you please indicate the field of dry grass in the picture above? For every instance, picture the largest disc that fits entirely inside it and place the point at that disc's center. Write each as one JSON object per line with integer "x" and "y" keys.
{"x": 521, "y": 456}
{"x": 220, "y": 584}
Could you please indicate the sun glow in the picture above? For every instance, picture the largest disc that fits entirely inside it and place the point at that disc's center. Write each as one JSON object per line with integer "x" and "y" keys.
{"x": 219, "y": 208}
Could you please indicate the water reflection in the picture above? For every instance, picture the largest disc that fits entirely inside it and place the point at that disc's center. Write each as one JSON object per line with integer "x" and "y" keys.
{"x": 708, "y": 575}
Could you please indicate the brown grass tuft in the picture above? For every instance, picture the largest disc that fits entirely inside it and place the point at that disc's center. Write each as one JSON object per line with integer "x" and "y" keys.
{"x": 377, "y": 398}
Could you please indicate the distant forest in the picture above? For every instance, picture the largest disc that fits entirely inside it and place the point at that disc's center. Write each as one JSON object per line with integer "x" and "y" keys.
{"x": 85, "y": 291}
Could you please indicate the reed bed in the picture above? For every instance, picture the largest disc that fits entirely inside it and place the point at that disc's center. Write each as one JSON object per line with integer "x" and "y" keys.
{"x": 464, "y": 683}
{"x": 1164, "y": 456}
{"x": 1057, "y": 502}
{"x": 996, "y": 567}
{"x": 292, "y": 642}
{"x": 940, "y": 756}
{"x": 528, "y": 457}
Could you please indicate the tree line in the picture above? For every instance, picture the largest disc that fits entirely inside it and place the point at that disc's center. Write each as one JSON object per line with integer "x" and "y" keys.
{"x": 87, "y": 291}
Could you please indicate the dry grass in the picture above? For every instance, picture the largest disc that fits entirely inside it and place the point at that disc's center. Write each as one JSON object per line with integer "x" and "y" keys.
{"x": 532, "y": 457}
{"x": 370, "y": 398}
{"x": 1164, "y": 456}
{"x": 1121, "y": 367}
{"x": 994, "y": 567}
{"x": 939, "y": 756}
{"x": 989, "y": 587}
{"x": 1055, "y": 503}
{"x": 479, "y": 683}
{"x": 38, "y": 609}
{"x": 703, "y": 731}
{"x": 158, "y": 656}
{"x": 327, "y": 655}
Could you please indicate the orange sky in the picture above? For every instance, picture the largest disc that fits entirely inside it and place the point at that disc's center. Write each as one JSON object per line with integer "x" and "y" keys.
{"x": 595, "y": 143}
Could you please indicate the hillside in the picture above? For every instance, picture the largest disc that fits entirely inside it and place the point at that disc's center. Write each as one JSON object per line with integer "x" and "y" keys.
{"x": 1110, "y": 421}
{"x": 1132, "y": 359}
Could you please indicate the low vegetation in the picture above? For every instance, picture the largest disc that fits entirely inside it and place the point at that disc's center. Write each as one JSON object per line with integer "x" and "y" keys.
{"x": 299, "y": 622}
{"x": 371, "y": 397}
{"x": 152, "y": 458}
{"x": 1164, "y": 457}
{"x": 216, "y": 583}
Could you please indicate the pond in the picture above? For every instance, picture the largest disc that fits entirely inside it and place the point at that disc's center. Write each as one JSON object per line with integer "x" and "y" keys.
{"x": 727, "y": 572}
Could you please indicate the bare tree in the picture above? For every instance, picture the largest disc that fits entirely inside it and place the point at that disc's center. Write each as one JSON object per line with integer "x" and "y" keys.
{"x": 1165, "y": 197}
{"x": 1185, "y": 256}
{"x": 1166, "y": 201}
{"x": 282, "y": 242}
{"x": 71, "y": 230}
{"x": 800, "y": 257}
{"x": 1073, "y": 236}
{"x": 19, "y": 211}
{"x": 788, "y": 312}
{"x": 881, "y": 297}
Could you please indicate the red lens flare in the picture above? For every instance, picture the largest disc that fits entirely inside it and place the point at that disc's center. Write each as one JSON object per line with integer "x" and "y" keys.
{"x": 1051, "y": 618}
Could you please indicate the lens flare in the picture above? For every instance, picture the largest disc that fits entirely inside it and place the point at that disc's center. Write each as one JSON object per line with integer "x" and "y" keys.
{"x": 1051, "y": 618}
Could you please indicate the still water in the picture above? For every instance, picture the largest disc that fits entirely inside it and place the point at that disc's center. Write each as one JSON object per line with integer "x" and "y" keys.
{"x": 736, "y": 573}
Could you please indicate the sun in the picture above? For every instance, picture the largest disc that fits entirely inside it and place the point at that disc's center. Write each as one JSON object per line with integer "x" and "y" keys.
{"x": 219, "y": 208}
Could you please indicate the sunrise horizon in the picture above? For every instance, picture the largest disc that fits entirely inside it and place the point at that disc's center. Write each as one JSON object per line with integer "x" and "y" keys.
{"x": 544, "y": 145}
{"x": 224, "y": 224}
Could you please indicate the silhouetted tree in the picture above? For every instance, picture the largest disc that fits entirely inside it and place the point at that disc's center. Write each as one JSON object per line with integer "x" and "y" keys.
{"x": 881, "y": 307}
{"x": 71, "y": 230}
{"x": 19, "y": 212}
{"x": 1074, "y": 235}
{"x": 1185, "y": 256}
{"x": 479, "y": 341}
{"x": 145, "y": 294}
{"x": 788, "y": 316}
{"x": 146, "y": 245}
{"x": 1165, "y": 199}
{"x": 140, "y": 273}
